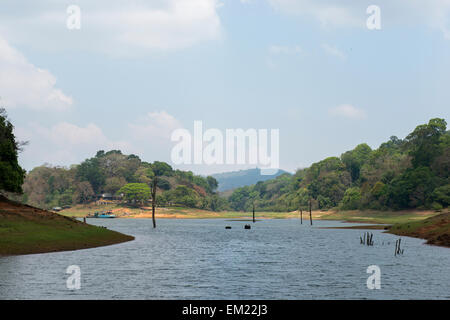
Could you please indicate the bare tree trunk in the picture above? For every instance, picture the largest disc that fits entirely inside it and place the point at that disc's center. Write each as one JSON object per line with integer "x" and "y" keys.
{"x": 310, "y": 212}
{"x": 254, "y": 212}
{"x": 301, "y": 216}
{"x": 155, "y": 182}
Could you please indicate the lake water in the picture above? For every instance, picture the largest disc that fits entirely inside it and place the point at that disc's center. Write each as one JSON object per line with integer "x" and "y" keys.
{"x": 199, "y": 259}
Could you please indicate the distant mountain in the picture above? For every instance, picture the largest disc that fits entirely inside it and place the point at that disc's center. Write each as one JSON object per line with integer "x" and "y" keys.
{"x": 236, "y": 179}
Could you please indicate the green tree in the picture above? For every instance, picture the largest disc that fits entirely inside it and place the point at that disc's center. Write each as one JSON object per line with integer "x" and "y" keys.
{"x": 412, "y": 189}
{"x": 351, "y": 199}
{"x": 113, "y": 184}
{"x": 423, "y": 142}
{"x": 11, "y": 174}
{"x": 355, "y": 159}
{"x": 442, "y": 195}
{"x": 135, "y": 192}
{"x": 212, "y": 183}
{"x": 83, "y": 192}
{"x": 158, "y": 169}
{"x": 164, "y": 184}
{"x": 90, "y": 170}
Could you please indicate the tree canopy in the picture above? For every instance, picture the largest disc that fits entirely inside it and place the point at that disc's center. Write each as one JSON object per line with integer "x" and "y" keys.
{"x": 114, "y": 172}
{"x": 135, "y": 191}
{"x": 11, "y": 174}
{"x": 400, "y": 174}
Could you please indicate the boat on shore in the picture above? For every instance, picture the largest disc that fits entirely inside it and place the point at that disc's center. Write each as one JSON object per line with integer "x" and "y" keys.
{"x": 102, "y": 215}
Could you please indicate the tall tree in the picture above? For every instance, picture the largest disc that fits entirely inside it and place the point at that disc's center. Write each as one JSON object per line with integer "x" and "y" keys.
{"x": 158, "y": 169}
{"x": 11, "y": 174}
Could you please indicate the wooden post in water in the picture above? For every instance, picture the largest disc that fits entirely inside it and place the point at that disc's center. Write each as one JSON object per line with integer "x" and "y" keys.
{"x": 155, "y": 182}
{"x": 254, "y": 212}
{"x": 301, "y": 216}
{"x": 310, "y": 211}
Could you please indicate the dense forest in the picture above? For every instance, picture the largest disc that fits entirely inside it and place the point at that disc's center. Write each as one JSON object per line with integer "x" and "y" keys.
{"x": 120, "y": 175}
{"x": 400, "y": 174}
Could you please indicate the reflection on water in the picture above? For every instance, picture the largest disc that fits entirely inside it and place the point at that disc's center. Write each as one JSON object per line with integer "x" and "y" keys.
{"x": 199, "y": 259}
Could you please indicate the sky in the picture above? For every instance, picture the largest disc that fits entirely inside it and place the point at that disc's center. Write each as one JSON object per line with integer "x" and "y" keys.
{"x": 135, "y": 71}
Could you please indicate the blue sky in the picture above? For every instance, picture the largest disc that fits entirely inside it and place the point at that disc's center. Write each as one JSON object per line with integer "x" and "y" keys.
{"x": 137, "y": 70}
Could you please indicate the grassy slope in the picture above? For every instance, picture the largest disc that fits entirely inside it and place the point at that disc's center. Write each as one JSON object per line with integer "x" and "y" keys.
{"x": 436, "y": 229}
{"x": 26, "y": 230}
{"x": 383, "y": 217}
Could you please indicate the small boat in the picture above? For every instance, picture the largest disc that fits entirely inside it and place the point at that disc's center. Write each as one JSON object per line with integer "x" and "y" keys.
{"x": 102, "y": 215}
{"x": 106, "y": 215}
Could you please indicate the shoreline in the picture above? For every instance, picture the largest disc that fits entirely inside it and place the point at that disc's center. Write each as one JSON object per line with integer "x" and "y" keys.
{"x": 29, "y": 230}
{"x": 390, "y": 221}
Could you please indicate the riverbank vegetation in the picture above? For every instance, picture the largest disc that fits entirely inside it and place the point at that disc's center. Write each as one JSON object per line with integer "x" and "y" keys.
{"x": 412, "y": 173}
{"x": 124, "y": 177}
{"x": 402, "y": 174}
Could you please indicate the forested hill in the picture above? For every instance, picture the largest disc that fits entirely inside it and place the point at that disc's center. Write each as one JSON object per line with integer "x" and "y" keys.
{"x": 236, "y": 179}
{"x": 402, "y": 173}
{"x": 118, "y": 174}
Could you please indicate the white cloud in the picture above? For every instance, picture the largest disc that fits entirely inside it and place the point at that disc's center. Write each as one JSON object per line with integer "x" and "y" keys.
{"x": 65, "y": 133}
{"x": 64, "y": 143}
{"x": 24, "y": 85}
{"x": 117, "y": 27}
{"x": 348, "y": 111}
{"x": 155, "y": 126}
{"x": 334, "y": 51}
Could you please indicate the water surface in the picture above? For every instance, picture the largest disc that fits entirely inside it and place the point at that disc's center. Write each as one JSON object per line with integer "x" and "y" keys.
{"x": 199, "y": 259}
